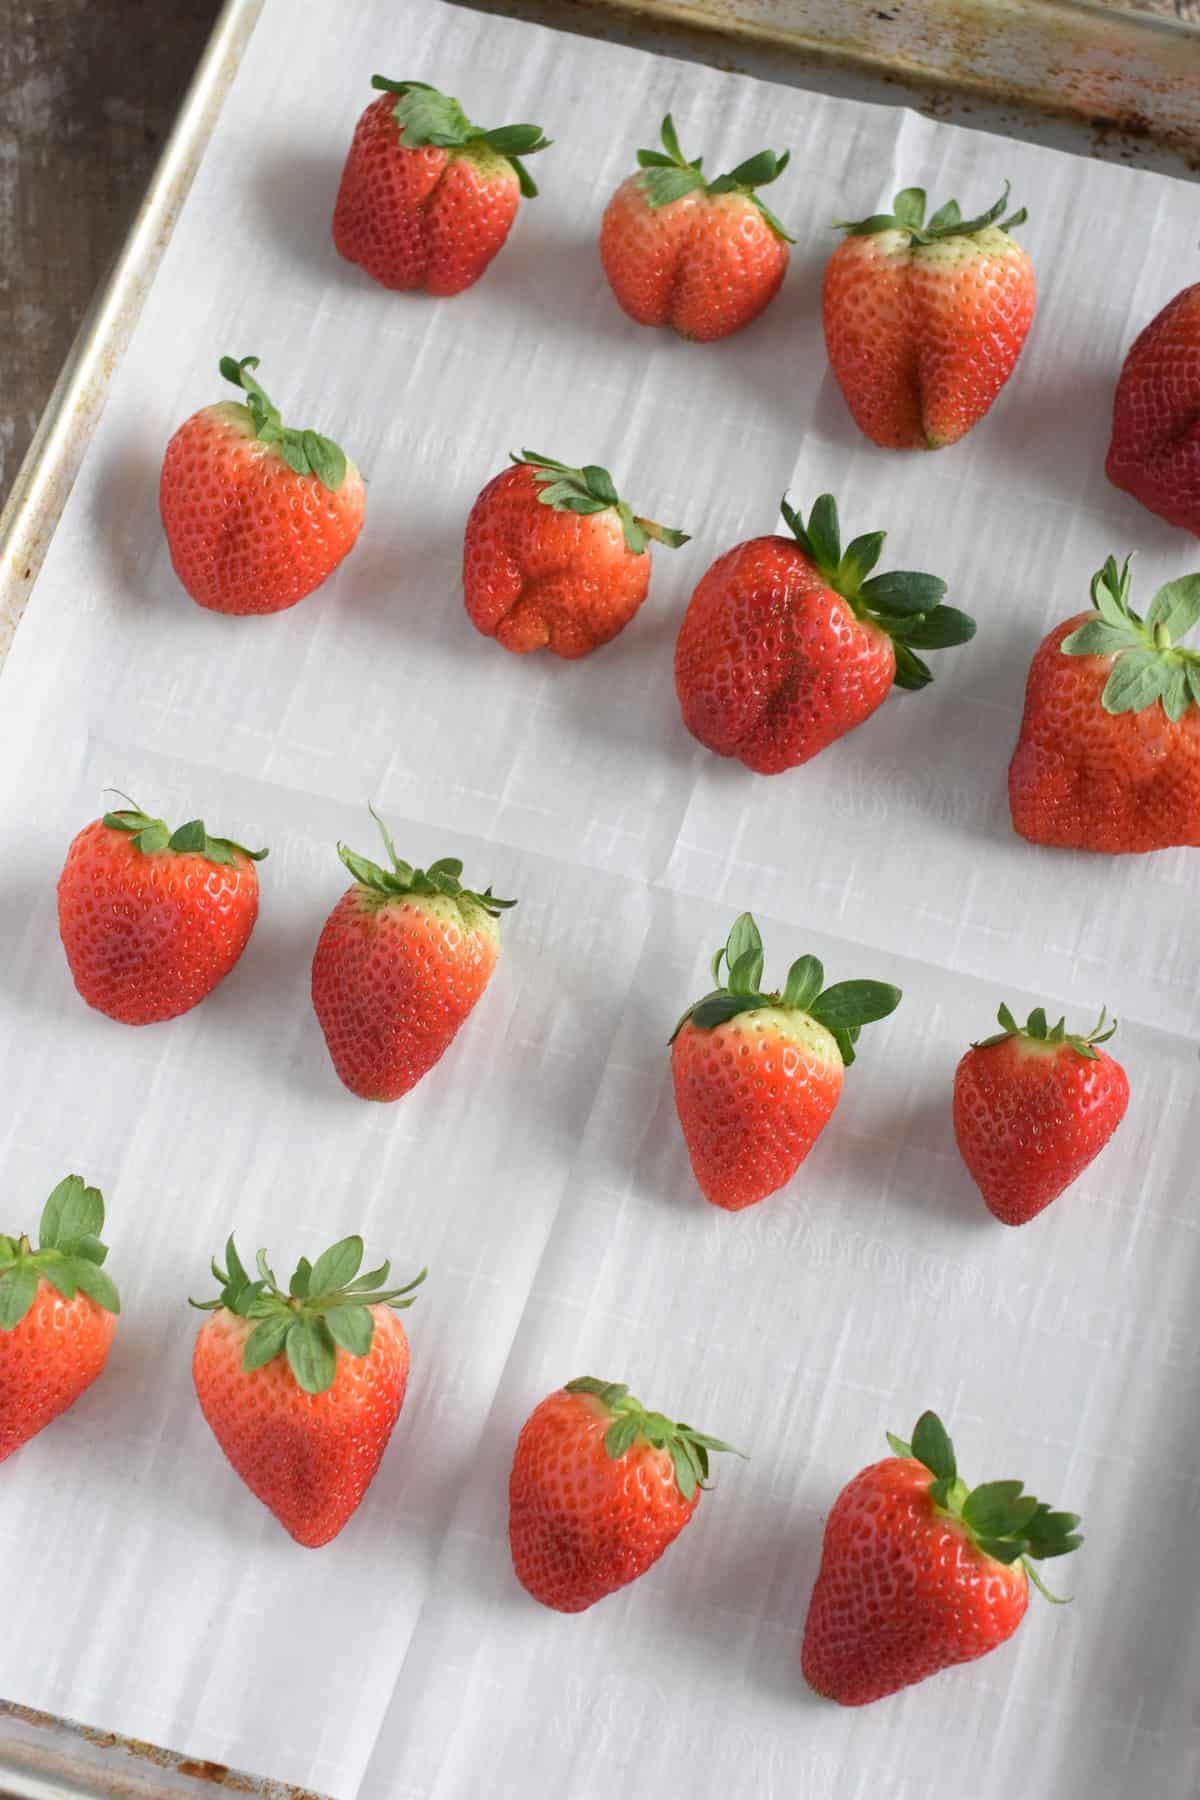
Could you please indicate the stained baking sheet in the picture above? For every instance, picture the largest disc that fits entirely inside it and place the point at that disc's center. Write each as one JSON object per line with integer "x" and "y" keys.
{"x": 538, "y": 1170}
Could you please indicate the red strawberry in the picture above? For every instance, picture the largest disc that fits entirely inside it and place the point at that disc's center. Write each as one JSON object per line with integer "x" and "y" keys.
{"x": 553, "y": 559}
{"x": 786, "y": 646}
{"x": 427, "y": 198}
{"x": 924, "y": 322}
{"x": 757, "y": 1075}
{"x": 1032, "y": 1108}
{"x": 302, "y": 1387}
{"x": 58, "y": 1312}
{"x": 1109, "y": 753}
{"x": 152, "y": 919}
{"x": 404, "y": 957}
{"x": 256, "y": 513}
{"x": 1155, "y": 449}
{"x": 599, "y": 1488}
{"x": 704, "y": 257}
{"x": 918, "y": 1574}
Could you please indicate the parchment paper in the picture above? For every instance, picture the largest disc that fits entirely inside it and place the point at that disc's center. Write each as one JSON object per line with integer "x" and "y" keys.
{"x": 539, "y": 1170}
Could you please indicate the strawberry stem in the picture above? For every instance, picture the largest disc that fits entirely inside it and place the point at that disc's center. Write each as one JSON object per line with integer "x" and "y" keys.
{"x": 632, "y": 1423}
{"x": 441, "y": 877}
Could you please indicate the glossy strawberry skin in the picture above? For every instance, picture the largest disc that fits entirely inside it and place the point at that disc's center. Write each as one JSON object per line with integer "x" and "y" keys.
{"x": 245, "y": 532}
{"x": 1029, "y": 1117}
{"x": 580, "y": 1524}
{"x": 427, "y": 217}
{"x": 705, "y": 265}
{"x": 308, "y": 1457}
{"x": 393, "y": 979}
{"x": 1155, "y": 450}
{"x": 147, "y": 936}
{"x": 1084, "y": 779}
{"x": 48, "y": 1360}
{"x": 902, "y": 1592}
{"x": 921, "y": 338}
{"x": 536, "y": 578}
{"x": 753, "y": 1095}
{"x": 771, "y": 666}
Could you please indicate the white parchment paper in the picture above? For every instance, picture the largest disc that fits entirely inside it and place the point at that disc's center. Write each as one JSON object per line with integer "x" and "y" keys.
{"x": 539, "y": 1170}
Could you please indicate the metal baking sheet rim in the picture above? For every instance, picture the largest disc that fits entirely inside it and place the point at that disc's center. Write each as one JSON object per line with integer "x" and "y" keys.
{"x": 45, "y": 1758}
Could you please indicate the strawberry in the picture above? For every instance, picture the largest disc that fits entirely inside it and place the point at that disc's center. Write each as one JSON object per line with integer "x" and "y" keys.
{"x": 302, "y": 1388}
{"x": 58, "y": 1313}
{"x": 1155, "y": 450}
{"x": 918, "y": 1572}
{"x": 426, "y": 198}
{"x": 786, "y": 646}
{"x": 403, "y": 959}
{"x": 704, "y": 257}
{"x": 757, "y": 1075}
{"x": 924, "y": 322}
{"x": 151, "y": 919}
{"x": 554, "y": 559}
{"x": 1109, "y": 753}
{"x": 1032, "y": 1108}
{"x": 256, "y": 514}
{"x": 599, "y": 1488}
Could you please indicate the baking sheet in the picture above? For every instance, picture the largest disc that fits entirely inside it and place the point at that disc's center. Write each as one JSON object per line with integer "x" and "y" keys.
{"x": 538, "y": 1170}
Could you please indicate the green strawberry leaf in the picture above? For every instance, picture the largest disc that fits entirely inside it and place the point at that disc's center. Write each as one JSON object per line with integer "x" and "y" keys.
{"x": 911, "y": 672}
{"x": 59, "y": 1275}
{"x": 95, "y": 1282}
{"x": 903, "y": 591}
{"x": 73, "y": 1211}
{"x": 803, "y": 983}
{"x": 932, "y": 1446}
{"x": 18, "y": 1285}
{"x": 1100, "y": 638}
{"x": 946, "y": 218}
{"x": 662, "y": 187}
{"x": 718, "y": 1009}
{"x": 266, "y": 1340}
{"x": 352, "y": 1327}
{"x": 899, "y": 1447}
{"x": 336, "y": 1266}
{"x": 858, "y": 559}
{"x": 311, "y": 1354}
{"x": 854, "y": 1003}
{"x": 940, "y": 629}
{"x": 824, "y": 532}
{"x": 1176, "y": 607}
{"x": 909, "y": 207}
{"x": 1138, "y": 679}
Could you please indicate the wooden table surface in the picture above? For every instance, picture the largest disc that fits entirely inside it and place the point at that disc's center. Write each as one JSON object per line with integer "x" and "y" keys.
{"x": 88, "y": 89}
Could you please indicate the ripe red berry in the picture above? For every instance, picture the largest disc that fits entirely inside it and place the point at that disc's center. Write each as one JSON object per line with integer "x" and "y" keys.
{"x": 302, "y": 1386}
{"x": 58, "y": 1313}
{"x": 256, "y": 513}
{"x": 1109, "y": 753}
{"x": 757, "y": 1075}
{"x": 919, "y": 1572}
{"x": 924, "y": 321}
{"x": 599, "y": 1488}
{"x": 426, "y": 198}
{"x": 787, "y": 645}
{"x": 702, "y": 257}
{"x": 554, "y": 559}
{"x": 1033, "y": 1107}
{"x": 152, "y": 919}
